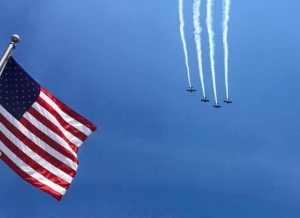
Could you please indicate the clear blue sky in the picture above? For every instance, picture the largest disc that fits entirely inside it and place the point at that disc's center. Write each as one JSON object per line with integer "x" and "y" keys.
{"x": 159, "y": 152}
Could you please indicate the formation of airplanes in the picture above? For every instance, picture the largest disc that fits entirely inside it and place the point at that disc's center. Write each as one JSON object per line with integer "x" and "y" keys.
{"x": 227, "y": 100}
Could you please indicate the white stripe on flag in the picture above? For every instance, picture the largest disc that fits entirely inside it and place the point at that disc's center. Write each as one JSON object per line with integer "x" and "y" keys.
{"x": 66, "y": 117}
{"x": 31, "y": 172}
{"x": 48, "y": 131}
{"x": 34, "y": 156}
{"x": 76, "y": 141}
{"x": 38, "y": 141}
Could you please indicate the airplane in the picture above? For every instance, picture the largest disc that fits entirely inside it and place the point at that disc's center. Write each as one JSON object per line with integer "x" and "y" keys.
{"x": 217, "y": 105}
{"x": 205, "y": 99}
{"x": 228, "y": 101}
{"x": 191, "y": 89}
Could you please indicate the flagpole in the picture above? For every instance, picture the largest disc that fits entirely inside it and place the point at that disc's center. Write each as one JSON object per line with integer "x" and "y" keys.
{"x": 14, "y": 39}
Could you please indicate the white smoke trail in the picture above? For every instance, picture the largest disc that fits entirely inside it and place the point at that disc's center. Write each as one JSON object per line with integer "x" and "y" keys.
{"x": 197, "y": 32}
{"x": 226, "y": 8}
{"x": 209, "y": 23}
{"x": 183, "y": 40}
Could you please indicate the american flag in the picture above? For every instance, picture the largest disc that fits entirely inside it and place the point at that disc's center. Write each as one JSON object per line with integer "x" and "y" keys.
{"x": 39, "y": 135}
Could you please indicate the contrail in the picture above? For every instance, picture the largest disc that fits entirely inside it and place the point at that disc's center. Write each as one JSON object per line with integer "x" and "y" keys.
{"x": 197, "y": 32}
{"x": 183, "y": 40}
{"x": 226, "y": 7}
{"x": 209, "y": 22}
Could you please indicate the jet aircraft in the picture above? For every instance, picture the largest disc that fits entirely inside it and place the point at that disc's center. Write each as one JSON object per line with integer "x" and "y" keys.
{"x": 227, "y": 101}
{"x": 191, "y": 90}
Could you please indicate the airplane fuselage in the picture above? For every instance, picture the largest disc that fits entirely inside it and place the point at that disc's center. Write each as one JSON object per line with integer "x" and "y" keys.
{"x": 191, "y": 90}
{"x": 227, "y": 101}
{"x": 205, "y": 100}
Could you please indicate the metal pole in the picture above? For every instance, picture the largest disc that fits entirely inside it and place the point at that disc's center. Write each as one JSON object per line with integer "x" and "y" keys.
{"x": 7, "y": 53}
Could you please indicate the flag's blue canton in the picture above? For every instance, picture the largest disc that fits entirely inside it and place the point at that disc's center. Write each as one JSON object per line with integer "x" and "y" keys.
{"x": 18, "y": 91}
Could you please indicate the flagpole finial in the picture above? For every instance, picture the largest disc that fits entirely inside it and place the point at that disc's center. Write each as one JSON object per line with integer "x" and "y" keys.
{"x": 15, "y": 38}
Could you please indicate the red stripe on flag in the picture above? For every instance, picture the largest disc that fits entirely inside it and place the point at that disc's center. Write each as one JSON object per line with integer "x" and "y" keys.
{"x": 30, "y": 144}
{"x": 49, "y": 141}
{"x": 51, "y": 126}
{"x": 69, "y": 111}
{"x": 64, "y": 124}
{"x": 33, "y": 164}
{"x": 29, "y": 179}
